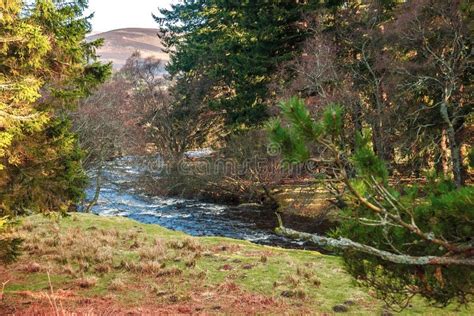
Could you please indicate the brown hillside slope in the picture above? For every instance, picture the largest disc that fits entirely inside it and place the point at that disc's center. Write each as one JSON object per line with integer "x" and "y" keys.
{"x": 120, "y": 44}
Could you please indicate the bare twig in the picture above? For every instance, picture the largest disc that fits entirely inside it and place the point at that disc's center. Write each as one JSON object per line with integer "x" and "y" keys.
{"x": 52, "y": 299}
{"x": 3, "y": 289}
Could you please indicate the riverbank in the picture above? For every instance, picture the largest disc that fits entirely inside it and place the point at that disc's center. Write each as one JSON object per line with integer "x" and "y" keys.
{"x": 127, "y": 190}
{"x": 300, "y": 204}
{"x": 89, "y": 264}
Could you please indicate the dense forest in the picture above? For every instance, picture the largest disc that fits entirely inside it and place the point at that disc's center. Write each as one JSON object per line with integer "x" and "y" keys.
{"x": 367, "y": 105}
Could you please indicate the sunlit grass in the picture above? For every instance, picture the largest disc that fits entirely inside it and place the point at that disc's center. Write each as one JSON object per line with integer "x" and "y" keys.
{"x": 133, "y": 265}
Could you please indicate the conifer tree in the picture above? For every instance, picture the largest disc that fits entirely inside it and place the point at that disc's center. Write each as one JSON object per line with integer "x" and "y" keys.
{"x": 400, "y": 241}
{"x": 236, "y": 45}
{"x": 45, "y": 67}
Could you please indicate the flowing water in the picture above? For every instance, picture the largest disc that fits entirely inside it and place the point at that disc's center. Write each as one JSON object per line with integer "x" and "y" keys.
{"x": 120, "y": 196}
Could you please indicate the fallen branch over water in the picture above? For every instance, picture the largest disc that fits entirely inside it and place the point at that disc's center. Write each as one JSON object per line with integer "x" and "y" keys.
{"x": 344, "y": 243}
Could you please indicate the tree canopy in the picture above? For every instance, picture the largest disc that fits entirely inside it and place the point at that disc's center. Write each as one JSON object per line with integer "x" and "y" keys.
{"x": 236, "y": 45}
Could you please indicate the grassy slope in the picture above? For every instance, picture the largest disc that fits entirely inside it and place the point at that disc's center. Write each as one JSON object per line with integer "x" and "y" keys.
{"x": 107, "y": 265}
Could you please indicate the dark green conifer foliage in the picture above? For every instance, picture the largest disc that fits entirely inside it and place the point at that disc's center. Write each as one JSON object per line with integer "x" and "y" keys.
{"x": 236, "y": 45}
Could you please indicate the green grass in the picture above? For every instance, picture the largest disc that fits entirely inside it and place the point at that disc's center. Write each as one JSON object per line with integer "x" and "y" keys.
{"x": 156, "y": 267}
{"x": 37, "y": 282}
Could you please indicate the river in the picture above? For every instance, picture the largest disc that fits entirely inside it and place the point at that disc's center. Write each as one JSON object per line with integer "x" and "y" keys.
{"x": 120, "y": 196}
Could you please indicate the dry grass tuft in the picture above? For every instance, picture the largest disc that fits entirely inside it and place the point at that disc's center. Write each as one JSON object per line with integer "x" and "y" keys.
{"x": 232, "y": 248}
{"x": 131, "y": 235}
{"x": 316, "y": 282}
{"x": 309, "y": 275}
{"x": 170, "y": 272}
{"x": 158, "y": 291}
{"x": 117, "y": 284}
{"x": 155, "y": 252}
{"x": 103, "y": 268}
{"x": 190, "y": 263}
{"x": 228, "y": 287}
{"x": 292, "y": 280}
{"x": 135, "y": 245}
{"x": 84, "y": 266}
{"x": 51, "y": 242}
{"x": 143, "y": 267}
{"x": 305, "y": 273}
{"x": 69, "y": 270}
{"x": 28, "y": 226}
{"x": 104, "y": 254}
{"x": 189, "y": 244}
{"x": 32, "y": 267}
{"x": 150, "y": 267}
{"x": 297, "y": 293}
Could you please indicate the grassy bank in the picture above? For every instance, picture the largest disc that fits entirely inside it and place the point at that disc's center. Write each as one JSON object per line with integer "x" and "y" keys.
{"x": 90, "y": 264}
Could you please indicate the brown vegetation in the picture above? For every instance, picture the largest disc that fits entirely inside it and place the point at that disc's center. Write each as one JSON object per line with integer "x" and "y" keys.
{"x": 92, "y": 270}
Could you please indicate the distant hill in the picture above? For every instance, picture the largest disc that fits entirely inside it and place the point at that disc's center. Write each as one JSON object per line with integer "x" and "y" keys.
{"x": 120, "y": 44}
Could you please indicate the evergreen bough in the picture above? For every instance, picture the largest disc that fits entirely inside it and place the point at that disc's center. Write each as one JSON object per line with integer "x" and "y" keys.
{"x": 400, "y": 241}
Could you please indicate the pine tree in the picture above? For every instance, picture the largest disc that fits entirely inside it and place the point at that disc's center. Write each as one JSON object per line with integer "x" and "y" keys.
{"x": 45, "y": 67}
{"x": 236, "y": 45}
{"x": 400, "y": 241}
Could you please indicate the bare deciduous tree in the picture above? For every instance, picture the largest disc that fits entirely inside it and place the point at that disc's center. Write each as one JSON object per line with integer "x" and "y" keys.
{"x": 174, "y": 122}
{"x": 433, "y": 59}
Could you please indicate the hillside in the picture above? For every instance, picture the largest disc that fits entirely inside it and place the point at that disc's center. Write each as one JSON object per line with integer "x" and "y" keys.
{"x": 120, "y": 44}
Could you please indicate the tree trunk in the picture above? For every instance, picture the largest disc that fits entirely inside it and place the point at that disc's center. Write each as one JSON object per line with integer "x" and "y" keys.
{"x": 357, "y": 119}
{"x": 97, "y": 189}
{"x": 453, "y": 146}
{"x": 378, "y": 127}
{"x": 444, "y": 155}
{"x": 378, "y": 141}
